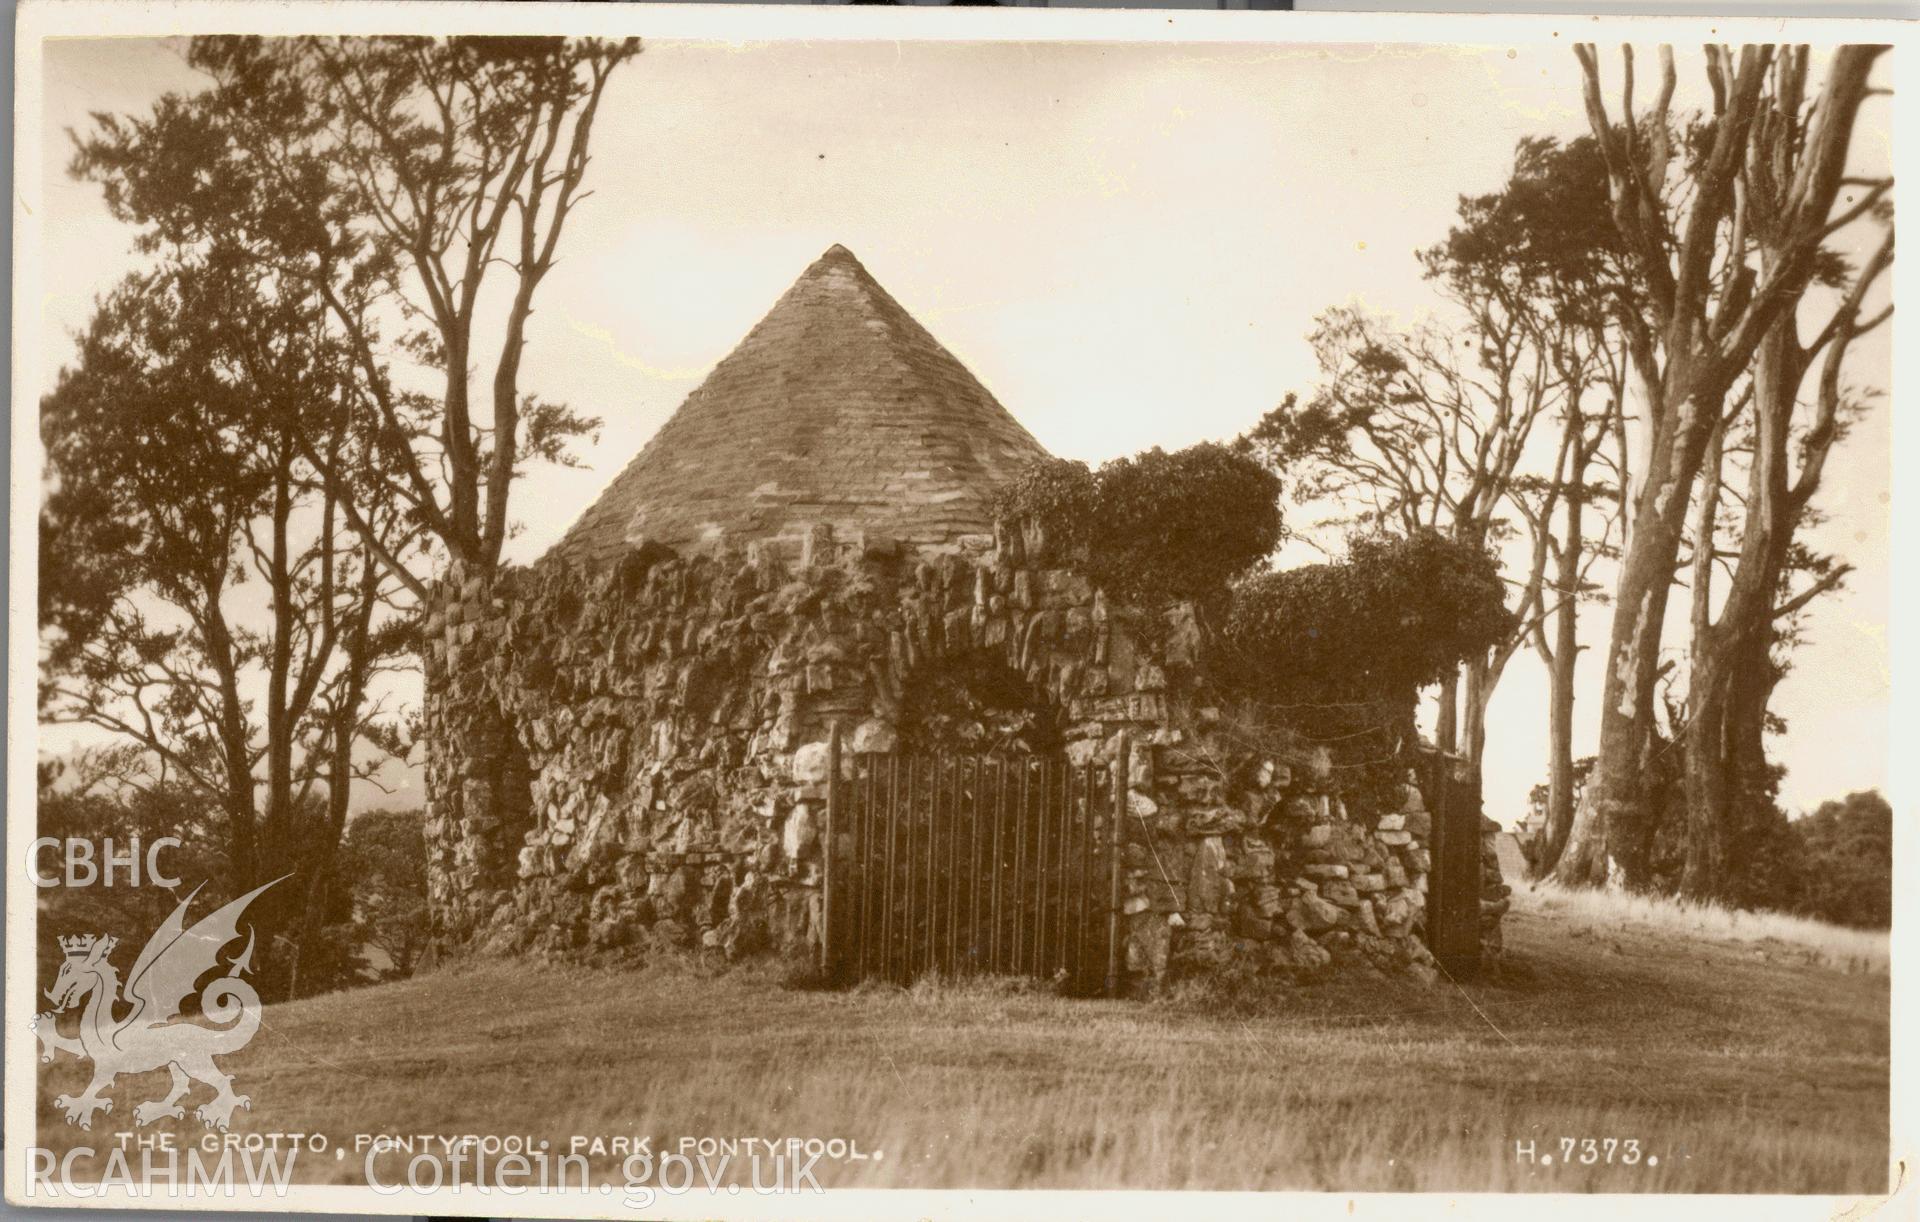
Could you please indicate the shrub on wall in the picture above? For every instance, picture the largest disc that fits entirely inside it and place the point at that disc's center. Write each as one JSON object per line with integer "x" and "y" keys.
{"x": 1395, "y": 616}
{"x": 1339, "y": 651}
{"x": 1157, "y": 525}
{"x": 1058, "y": 493}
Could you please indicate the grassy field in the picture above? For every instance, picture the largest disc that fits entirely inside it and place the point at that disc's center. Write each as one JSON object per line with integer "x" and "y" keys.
{"x": 1739, "y": 1057}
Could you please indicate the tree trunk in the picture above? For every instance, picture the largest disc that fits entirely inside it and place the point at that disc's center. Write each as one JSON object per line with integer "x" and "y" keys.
{"x": 1703, "y": 344}
{"x": 1730, "y": 651}
{"x": 1562, "y": 658}
{"x": 1566, "y": 659}
{"x": 342, "y": 730}
{"x": 1750, "y": 777}
{"x": 324, "y": 853}
{"x": 1560, "y": 696}
{"x": 1703, "y": 854}
{"x": 1446, "y": 727}
{"x": 1703, "y": 872}
{"x": 1478, "y": 695}
{"x": 1559, "y": 763}
{"x": 1613, "y": 829}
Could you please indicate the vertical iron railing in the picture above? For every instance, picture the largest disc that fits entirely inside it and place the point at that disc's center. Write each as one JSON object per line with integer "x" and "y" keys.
{"x": 1117, "y": 820}
{"x": 963, "y": 865}
{"x": 830, "y": 849}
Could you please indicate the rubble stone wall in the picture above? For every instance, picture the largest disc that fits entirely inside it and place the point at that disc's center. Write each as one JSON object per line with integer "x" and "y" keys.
{"x": 632, "y": 757}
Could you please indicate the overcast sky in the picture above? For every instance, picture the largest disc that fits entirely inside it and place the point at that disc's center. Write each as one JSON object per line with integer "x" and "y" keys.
{"x": 1126, "y": 243}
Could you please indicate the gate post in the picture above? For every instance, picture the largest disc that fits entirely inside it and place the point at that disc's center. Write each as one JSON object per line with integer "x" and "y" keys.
{"x": 1121, "y": 762}
{"x": 827, "y": 964}
{"x": 1453, "y": 888}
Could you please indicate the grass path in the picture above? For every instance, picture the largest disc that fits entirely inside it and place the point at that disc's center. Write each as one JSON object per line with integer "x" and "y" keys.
{"x": 1739, "y": 1062}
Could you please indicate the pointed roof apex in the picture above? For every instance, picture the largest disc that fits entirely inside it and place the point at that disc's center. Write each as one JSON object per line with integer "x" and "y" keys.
{"x": 837, "y": 258}
{"x": 837, "y": 409}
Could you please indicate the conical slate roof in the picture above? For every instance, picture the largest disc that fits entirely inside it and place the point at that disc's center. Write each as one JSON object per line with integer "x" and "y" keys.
{"x": 837, "y": 408}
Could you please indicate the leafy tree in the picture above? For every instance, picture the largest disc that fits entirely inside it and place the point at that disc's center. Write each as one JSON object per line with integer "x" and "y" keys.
{"x": 393, "y": 179}
{"x": 201, "y": 598}
{"x": 1738, "y": 651}
{"x": 1543, "y": 244}
{"x": 103, "y": 793}
{"x": 395, "y": 197}
{"x": 1846, "y": 852}
{"x": 385, "y": 856}
{"x": 1441, "y": 427}
{"x": 116, "y": 793}
{"x": 1724, "y": 221}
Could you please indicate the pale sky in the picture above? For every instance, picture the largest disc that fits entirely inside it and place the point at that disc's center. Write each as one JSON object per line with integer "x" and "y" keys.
{"x": 1126, "y": 243}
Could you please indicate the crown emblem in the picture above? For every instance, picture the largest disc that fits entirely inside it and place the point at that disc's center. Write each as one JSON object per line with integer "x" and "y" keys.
{"x": 81, "y": 945}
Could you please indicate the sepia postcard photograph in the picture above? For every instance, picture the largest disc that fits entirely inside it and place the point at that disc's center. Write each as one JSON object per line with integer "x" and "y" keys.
{"x": 709, "y": 611}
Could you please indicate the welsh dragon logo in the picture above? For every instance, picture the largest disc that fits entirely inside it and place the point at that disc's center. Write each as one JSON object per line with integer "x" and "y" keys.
{"x": 148, "y": 1037}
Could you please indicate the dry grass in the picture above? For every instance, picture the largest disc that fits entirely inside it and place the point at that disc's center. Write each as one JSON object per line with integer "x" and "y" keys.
{"x": 1765, "y": 933}
{"x": 1740, "y": 1072}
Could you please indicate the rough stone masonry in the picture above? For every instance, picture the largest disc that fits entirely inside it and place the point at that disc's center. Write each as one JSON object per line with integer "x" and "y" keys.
{"x": 631, "y": 757}
{"x": 626, "y": 740}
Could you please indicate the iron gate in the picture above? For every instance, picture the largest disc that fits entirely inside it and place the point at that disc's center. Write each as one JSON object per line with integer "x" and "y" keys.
{"x": 964, "y": 864}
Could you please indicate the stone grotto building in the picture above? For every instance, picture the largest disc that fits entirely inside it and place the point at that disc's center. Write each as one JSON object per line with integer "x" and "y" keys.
{"x": 794, "y": 593}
